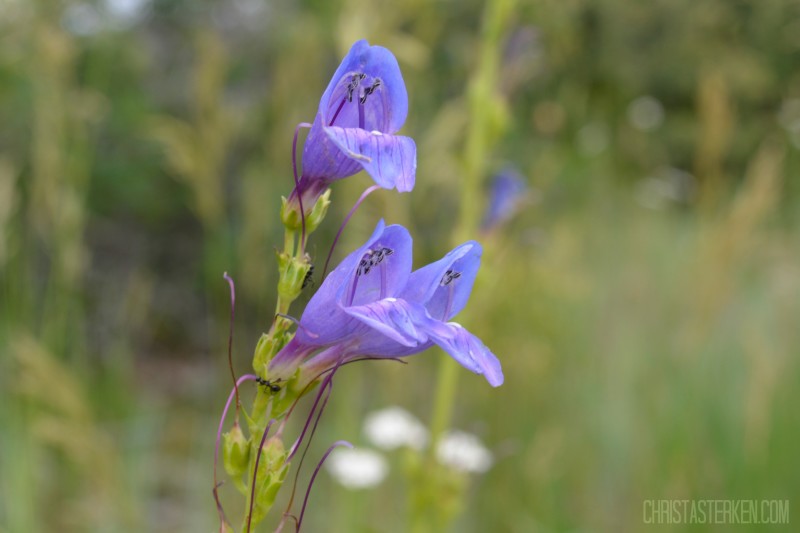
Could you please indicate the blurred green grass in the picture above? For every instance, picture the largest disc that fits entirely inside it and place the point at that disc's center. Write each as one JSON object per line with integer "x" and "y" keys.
{"x": 644, "y": 303}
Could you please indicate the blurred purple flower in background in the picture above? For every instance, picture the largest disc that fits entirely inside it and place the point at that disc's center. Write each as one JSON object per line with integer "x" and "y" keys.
{"x": 373, "y": 305}
{"x": 507, "y": 191}
{"x": 364, "y": 105}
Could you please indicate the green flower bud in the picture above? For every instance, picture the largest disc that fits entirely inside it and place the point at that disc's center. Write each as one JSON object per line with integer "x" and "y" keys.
{"x": 235, "y": 453}
{"x": 292, "y": 275}
{"x": 290, "y": 213}
{"x": 269, "y": 345}
{"x": 317, "y": 215}
{"x": 272, "y": 470}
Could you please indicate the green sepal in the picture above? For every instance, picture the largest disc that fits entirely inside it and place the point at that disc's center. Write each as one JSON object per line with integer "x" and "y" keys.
{"x": 290, "y": 213}
{"x": 236, "y": 455}
{"x": 292, "y": 275}
{"x": 269, "y": 345}
{"x": 272, "y": 470}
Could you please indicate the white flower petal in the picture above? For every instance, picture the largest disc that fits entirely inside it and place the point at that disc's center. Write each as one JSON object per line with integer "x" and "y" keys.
{"x": 394, "y": 427}
{"x": 464, "y": 452}
{"x": 357, "y": 468}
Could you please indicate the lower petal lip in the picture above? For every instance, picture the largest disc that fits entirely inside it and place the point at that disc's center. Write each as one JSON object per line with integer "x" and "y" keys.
{"x": 391, "y": 160}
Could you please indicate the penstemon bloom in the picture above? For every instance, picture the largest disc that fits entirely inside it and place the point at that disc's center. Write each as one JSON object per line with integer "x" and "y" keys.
{"x": 505, "y": 196}
{"x": 364, "y": 105}
{"x": 373, "y": 305}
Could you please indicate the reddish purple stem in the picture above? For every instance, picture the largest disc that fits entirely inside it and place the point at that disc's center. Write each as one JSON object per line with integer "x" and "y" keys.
{"x": 255, "y": 473}
{"x": 246, "y": 377}
{"x": 314, "y": 476}
{"x": 344, "y": 223}
{"x": 297, "y": 184}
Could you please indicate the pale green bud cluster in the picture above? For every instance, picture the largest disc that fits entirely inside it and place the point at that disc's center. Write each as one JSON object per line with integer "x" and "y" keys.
{"x": 290, "y": 214}
{"x": 236, "y": 455}
{"x": 274, "y": 398}
{"x": 272, "y": 470}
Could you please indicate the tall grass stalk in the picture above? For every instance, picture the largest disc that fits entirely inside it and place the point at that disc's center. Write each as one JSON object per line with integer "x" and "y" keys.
{"x": 486, "y": 109}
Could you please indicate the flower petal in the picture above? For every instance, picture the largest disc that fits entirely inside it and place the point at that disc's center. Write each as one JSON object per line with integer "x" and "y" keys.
{"x": 404, "y": 328}
{"x": 375, "y": 62}
{"x": 393, "y": 318}
{"x": 391, "y": 160}
{"x": 344, "y": 286}
{"x": 289, "y": 358}
{"x": 323, "y": 159}
{"x": 445, "y": 295}
{"x": 471, "y": 353}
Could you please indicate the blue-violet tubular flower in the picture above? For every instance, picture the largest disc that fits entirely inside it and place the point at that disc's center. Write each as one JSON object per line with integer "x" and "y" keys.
{"x": 373, "y": 305}
{"x": 365, "y": 104}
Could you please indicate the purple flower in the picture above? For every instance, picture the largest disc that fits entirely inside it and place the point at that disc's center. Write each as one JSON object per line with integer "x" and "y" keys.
{"x": 506, "y": 191}
{"x": 373, "y": 305}
{"x": 364, "y": 105}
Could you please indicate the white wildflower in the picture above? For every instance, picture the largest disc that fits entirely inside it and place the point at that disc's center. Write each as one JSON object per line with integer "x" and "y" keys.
{"x": 464, "y": 452}
{"x": 394, "y": 427}
{"x": 357, "y": 468}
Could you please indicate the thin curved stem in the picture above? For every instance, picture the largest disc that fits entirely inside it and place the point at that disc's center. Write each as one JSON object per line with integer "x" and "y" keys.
{"x": 297, "y": 183}
{"x": 255, "y": 473}
{"x": 246, "y": 377}
{"x": 361, "y": 198}
{"x": 230, "y": 340}
{"x": 305, "y": 451}
{"x": 314, "y": 476}
{"x": 298, "y": 324}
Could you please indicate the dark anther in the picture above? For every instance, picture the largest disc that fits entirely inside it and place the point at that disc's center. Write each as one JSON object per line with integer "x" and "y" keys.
{"x": 353, "y": 85}
{"x": 369, "y": 90}
{"x": 269, "y": 384}
{"x": 371, "y": 259}
{"x": 449, "y": 276}
{"x": 309, "y": 279}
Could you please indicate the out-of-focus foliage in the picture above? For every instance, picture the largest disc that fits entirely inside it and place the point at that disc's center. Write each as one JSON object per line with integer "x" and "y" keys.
{"x": 643, "y": 301}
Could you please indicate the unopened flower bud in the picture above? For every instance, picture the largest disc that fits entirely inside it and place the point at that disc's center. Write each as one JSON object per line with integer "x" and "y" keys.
{"x": 272, "y": 469}
{"x": 290, "y": 213}
{"x": 235, "y": 452}
{"x": 269, "y": 345}
{"x": 292, "y": 275}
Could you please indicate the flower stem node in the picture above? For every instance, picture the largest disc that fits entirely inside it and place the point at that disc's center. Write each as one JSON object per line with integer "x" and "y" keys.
{"x": 236, "y": 455}
{"x": 291, "y": 218}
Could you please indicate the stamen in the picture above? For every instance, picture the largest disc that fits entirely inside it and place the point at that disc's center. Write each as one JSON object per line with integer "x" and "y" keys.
{"x": 447, "y": 281}
{"x": 372, "y": 259}
{"x": 448, "y": 277}
{"x": 352, "y": 295}
{"x": 355, "y": 81}
{"x": 338, "y": 109}
{"x": 449, "y": 305}
{"x": 369, "y": 90}
{"x": 383, "y": 278}
{"x": 353, "y": 85}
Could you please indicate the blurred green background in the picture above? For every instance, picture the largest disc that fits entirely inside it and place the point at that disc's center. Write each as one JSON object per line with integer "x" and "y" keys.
{"x": 644, "y": 300}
